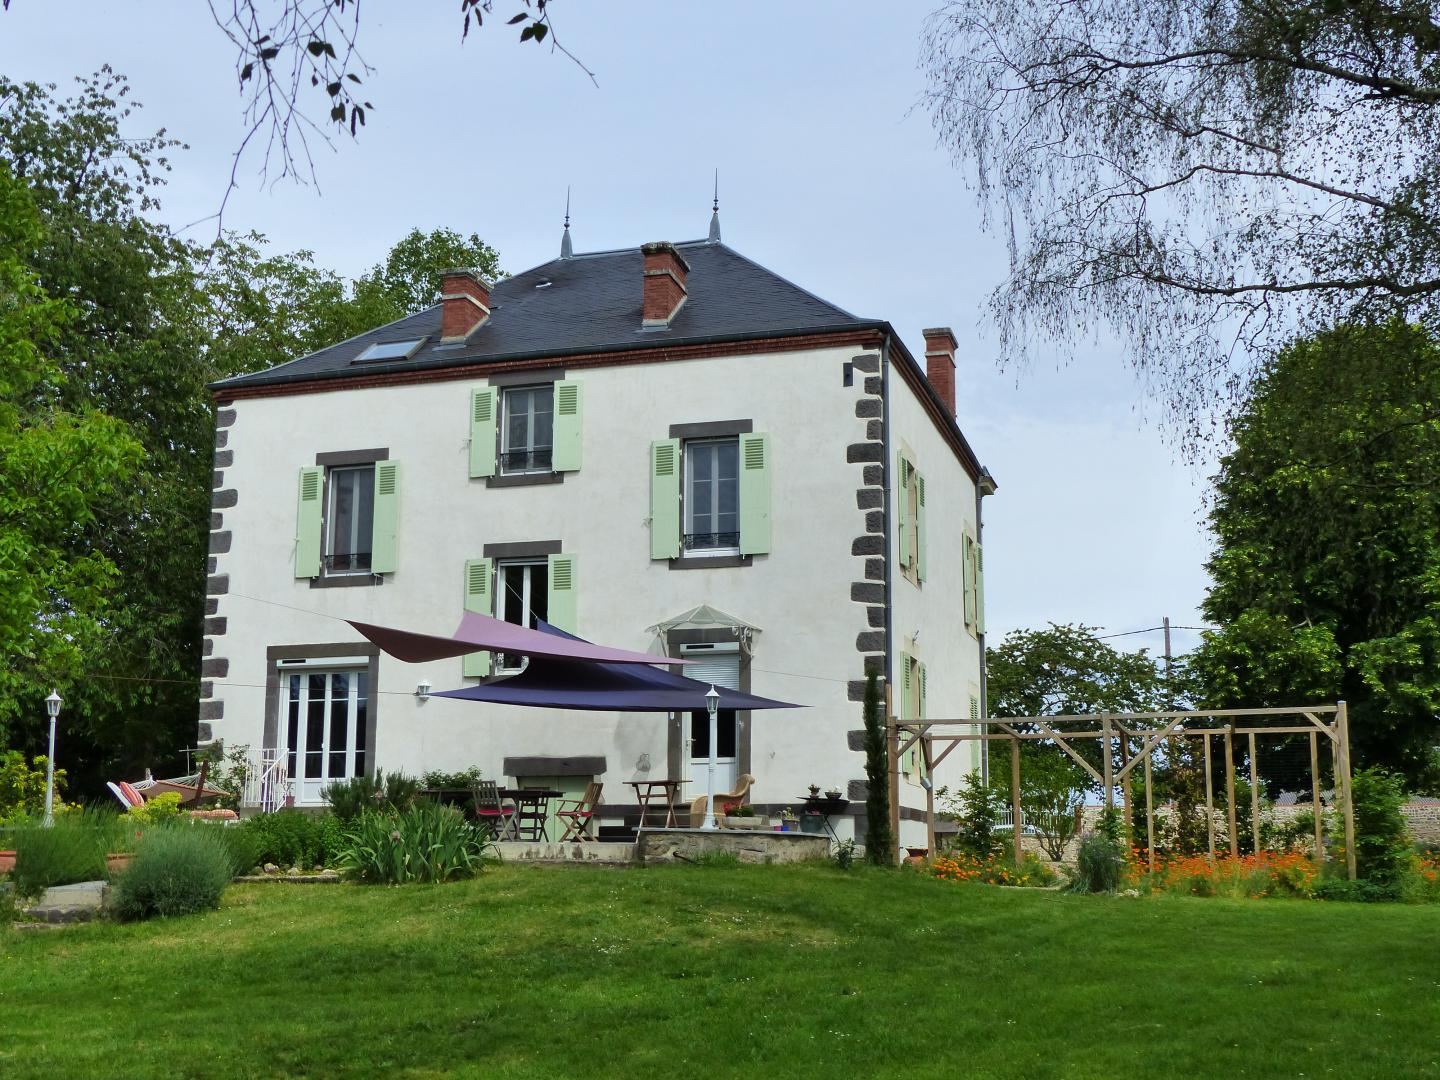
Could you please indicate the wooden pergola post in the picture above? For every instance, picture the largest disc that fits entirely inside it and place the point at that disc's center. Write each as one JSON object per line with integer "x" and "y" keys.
{"x": 927, "y": 755}
{"x": 1230, "y": 788}
{"x": 1254, "y": 797}
{"x": 1015, "y": 820}
{"x": 1107, "y": 762}
{"x": 1150, "y": 813}
{"x": 1209, "y": 800}
{"x": 1342, "y": 783}
{"x": 1125, "y": 796}
{"x": 1315, "y": 796}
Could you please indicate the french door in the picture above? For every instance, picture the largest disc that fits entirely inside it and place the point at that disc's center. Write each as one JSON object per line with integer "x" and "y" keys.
{"x": 721, "y": 668}
{"x": 326, "y": 713}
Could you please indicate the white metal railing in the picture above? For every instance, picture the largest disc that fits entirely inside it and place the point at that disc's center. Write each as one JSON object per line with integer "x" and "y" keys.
{"x": 267, "y": 783}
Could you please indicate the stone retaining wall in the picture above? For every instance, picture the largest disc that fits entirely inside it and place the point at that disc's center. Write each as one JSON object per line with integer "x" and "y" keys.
{"x": 687, "y": 845}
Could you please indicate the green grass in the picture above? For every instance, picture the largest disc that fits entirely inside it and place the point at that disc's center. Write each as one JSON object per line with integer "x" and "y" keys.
{"x": 758, "y": 972}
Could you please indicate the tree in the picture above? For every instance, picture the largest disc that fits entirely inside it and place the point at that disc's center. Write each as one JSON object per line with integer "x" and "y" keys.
{"x": 1327, "y": 527}
{"x": 1197, "y": 177}
{"x": 879, "y": 843}
{"x": 59, "y": 470}
{"x": 1066, "y": 669}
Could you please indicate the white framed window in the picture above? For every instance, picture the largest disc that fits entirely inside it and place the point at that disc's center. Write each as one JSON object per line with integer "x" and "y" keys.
{"x": 350, "y": 519}
{"x": 522, "y": 592}
{"x": 712, "y": 496}
{"x": 527, "y": 431}
{"x": 326, "y": 726}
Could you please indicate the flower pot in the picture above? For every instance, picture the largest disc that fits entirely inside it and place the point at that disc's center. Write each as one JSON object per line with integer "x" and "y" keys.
{"x": 751, "y": 822}
{"x": 7, "y": 861}
{"x": 811, "y": 824}
{"x": 117, "y": 861}
{"x": 833, "y": 793}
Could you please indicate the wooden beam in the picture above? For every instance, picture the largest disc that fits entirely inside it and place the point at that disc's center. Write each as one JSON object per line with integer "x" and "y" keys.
{"x": 1094, "y": 718}
{"x": 1046, "y": 730}
{"x": 929, "y": 768}
{"x": 1342, "y": 785}
{"x": 1150, "y": 744}
{"x": 1015, "y": 820}
{"x": 1230, "y": 792}
{"x": 1209, "y": 800}
{"x": 1108, "y": 764}
{"x": 1254, "y": 796}
{"x": 1124, "y": 779}
{"x": 1315, "y": 797}
{"x": 946, "y": 752}
{"x": 1150, "y": 812}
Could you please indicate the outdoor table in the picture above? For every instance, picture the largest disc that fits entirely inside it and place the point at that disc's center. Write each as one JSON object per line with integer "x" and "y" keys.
{"x": 540, "y": 800}
{"x": 825, "y": 807}
{"x": 648, "y": 792}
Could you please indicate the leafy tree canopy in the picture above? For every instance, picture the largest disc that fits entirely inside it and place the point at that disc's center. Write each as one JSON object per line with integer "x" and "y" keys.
{"x": 1327, "y": 525}
{"x": 1196, "y": 176}
{"x": 1066, "y": 669}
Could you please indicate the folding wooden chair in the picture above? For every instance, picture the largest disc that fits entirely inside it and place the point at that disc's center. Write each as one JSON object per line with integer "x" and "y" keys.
{"x": 491, "y": 809}
{"x": 576, "y": 814}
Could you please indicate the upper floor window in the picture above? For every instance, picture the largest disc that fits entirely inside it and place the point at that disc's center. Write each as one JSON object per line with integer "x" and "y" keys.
{"x": 910, "y": 499}
{"x": 351, "y": 517}
{"x": 712, "y": 496}
{"x": 347, "y": 517}
{"x": 527, "y": 434}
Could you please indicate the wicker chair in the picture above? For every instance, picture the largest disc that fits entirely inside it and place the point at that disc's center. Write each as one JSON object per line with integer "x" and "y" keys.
{"x": 743, "y": 784}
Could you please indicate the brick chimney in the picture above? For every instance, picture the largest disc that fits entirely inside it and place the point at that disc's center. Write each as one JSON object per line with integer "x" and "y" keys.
{"x": 665, "y": 271}
{"x": 940, "y": 363}
{"x": 465, "y": 303}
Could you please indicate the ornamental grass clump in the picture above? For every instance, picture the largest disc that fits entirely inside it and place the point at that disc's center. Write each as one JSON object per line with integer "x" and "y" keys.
{"x": 70, "y": 851}
{"x": 177, "y": 870}
{"x": 1099, "y": 865}
{"x": 426, "y": 843}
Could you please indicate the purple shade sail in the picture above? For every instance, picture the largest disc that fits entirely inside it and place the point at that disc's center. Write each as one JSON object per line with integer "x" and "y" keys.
{"x": 604, "y": 687}
{"x": 479, "y": 633}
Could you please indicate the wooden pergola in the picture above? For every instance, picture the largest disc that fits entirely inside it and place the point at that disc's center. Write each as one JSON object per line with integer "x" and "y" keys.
{"x": 1131, "y": 739}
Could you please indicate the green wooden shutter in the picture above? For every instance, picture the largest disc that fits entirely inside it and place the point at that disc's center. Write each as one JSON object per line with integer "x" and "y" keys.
{"x": 308, "y": 522}
{"x": 923, "y": 713}
{"x": 920, "y": 527}
{"x": 967, "y": 562}
{"x": 904, "y": 711}
{"x": 561, "y": 601}
{"x": 478, "y": 598}
{"x": 566, "y": 428}
{"x": 902, "y": 499}
{"x": 665, "y": 499}
{"x": 387, "y": 517}
{"x": 974, "y": 707}
{"x": 754, "y": 494}
{"x": 484, "y": 404}
{"x": 979, "y": 589}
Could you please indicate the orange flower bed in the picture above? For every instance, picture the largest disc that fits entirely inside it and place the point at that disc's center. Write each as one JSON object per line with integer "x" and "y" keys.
{"x": 999, "y": 870}
{"x": 1266, "y": 873}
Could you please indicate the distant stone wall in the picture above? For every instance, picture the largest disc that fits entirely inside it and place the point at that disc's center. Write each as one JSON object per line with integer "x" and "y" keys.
{"x": 1423, "y": 818}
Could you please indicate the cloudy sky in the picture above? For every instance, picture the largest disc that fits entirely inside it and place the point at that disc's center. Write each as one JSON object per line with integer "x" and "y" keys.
{"x": 830, "y": 174}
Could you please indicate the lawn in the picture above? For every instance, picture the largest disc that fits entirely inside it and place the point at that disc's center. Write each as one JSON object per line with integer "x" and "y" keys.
{"x": 715, "y": 972}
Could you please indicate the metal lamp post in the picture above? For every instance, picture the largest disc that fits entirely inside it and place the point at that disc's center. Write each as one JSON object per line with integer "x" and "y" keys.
{"x": 52, "y": 706}
{"x": 712, "y": 706}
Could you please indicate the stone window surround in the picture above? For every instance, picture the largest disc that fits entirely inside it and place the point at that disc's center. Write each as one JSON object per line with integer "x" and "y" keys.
{"x": 676, "y": 763}
{"x": 273, "y": 687}
{"x": 339, "y": 459}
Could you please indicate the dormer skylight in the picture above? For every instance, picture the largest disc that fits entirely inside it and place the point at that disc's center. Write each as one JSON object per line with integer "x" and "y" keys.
{"x": 390, "y": 350}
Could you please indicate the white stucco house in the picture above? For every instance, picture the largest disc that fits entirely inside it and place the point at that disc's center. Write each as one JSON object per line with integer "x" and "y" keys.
{"x": 666, "y": 448}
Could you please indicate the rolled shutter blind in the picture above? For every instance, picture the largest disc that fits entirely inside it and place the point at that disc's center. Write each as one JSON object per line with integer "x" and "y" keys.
{"x": 718, "y": 668}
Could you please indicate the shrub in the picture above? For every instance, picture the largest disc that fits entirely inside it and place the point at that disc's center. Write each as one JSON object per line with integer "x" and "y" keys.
{"x": 845, "y": 854}
{"x": 879, "y": 842}
{"x": 1382, "y": 847}
{"x": 288, "y": 838}
{"x": 976, "y": 809}
{"x": 427, "y": 843}
{"x": 1099, "y": 865}
{"x": 175, "y": 871}
{"x": 71, "y": 850}
{"x": 22, "y": 786}
{"x": 155, "y": 810}
{"x": 437, "y": 780}
{"x": 350, "y": 798}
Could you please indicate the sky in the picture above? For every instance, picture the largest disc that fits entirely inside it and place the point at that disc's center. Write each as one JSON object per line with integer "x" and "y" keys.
{"x": 829, "y": 171}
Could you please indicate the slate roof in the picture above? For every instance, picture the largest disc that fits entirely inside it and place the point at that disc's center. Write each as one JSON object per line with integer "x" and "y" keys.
{"x": 589, "y": 303}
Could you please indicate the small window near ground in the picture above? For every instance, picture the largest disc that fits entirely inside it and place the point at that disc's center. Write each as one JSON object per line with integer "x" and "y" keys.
{"x": 527, "y": 432}
{"x": 712, "y": 497}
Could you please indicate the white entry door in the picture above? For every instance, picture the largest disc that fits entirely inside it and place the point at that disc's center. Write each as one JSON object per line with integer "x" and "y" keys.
{"x": 326, "y": 713}
{"x": 720, "y": 665}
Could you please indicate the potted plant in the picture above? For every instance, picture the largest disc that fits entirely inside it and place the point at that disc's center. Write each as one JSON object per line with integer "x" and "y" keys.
{"x": 832, "y": 793}
{"x": 810, "y": 822}
{"x": 738, "y": 816}
{"x": 814, "y": 791}
{"x": 788, "y": 821}
{"x": 7, "y": 861}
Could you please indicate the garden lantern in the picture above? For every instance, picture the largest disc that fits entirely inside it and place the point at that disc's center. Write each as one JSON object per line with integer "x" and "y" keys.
{"x": 712, "y": 707}
{"x": 52, "y": 706}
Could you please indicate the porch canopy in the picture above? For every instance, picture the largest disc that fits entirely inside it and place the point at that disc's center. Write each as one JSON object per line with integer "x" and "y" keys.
{"x": 481, "y": 633}
{"x": 548, "y": 682}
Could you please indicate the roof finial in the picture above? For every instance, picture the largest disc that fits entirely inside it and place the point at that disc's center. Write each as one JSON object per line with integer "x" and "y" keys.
{"x": 715, "y": 212}
{"x": 565, "y": 249}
